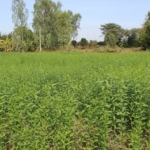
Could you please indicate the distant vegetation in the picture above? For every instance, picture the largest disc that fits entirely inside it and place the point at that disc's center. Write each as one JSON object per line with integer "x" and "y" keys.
{"x": 54, "y": 29}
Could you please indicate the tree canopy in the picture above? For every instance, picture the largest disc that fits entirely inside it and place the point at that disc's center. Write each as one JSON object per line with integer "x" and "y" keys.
{"x": 19, "y": 18}
{"x": 54, "y": 28}
{"x": 57, "y": 26}
{"x": 144, "y": 38}
{"x": 112, "y": 32}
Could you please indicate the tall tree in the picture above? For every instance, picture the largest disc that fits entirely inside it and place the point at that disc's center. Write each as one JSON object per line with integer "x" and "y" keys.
{"x": 111, "y": 39}
{"x": 57, "y": 27}
{"x": 75, "y": 22}
{"x": 63, "y": 24}
{"x": 144, "y": 38}
{"x": 130, "y": 38}
{"x": 19, "y": 18}
{"x": 45, "y": 14}
{"x": 67, "y": 26}
{"x": 112, "y": 32}
{"x": 28, "y": 44}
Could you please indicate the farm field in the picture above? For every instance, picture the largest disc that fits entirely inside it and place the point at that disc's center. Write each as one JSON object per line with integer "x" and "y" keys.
{"x": 74, "y": 101}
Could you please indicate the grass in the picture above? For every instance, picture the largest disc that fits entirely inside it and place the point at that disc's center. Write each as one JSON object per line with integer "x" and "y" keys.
{"x": 74, "y": 100}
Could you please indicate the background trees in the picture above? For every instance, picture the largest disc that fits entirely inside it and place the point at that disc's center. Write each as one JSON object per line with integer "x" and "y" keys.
{"x": 74, "y": 43}
{"x": 93, "y": 43}
{"x": 19, "y": 18}
{"x": 28, "y": 43}
{"x": 6, "y": 45}
{"x": 83, "y": 42}
{"x": 115, "y": 35}
{"x": 45, "y": 14}
{"x": 57, "y": 26}
{"x": 54, "y": 29}
{"x": 144, "y": 38}
{"x": 6, "y": 42}
{"x": 130, "y": 38}
{"x": 112, "y": 33}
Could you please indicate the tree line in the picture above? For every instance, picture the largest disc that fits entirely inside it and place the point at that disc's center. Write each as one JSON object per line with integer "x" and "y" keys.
{"x": 54, "y": 28}
{"x": 115, "y": 35}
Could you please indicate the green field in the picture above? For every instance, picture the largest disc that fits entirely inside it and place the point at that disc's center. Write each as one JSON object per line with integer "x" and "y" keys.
{"x": 74, "y": 101}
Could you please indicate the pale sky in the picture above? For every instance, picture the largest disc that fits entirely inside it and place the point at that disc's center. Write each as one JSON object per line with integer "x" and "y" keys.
{"x": 126, "y": 13}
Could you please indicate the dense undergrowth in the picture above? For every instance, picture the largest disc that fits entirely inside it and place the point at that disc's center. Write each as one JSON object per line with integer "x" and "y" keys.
{"x": 64, "y": 100}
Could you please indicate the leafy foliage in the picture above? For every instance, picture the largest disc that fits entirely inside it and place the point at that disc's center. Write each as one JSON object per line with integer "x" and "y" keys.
{"x": 112, "y": 32}
{"x": 110, "y": 39}
{"x": 74, "y": 101}
{"x": 74, "y": 43}
{"x": 57, "y": 26}
{"x": 144, "y": 38}
{"x": 83, "y": 42}
{"x": 6, "y": 45}
{"x": 28, "y": 44}
{"x": 19, "y": 18}
{"x": 130, "y": 38}
{"x": 93, "y": 43}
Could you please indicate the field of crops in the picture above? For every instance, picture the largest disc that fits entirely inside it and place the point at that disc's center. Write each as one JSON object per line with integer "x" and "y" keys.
{"x": 74, "y": 101}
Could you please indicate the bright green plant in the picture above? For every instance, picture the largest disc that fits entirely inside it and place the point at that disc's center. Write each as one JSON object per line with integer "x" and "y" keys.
{"x": 66, "y": 100}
